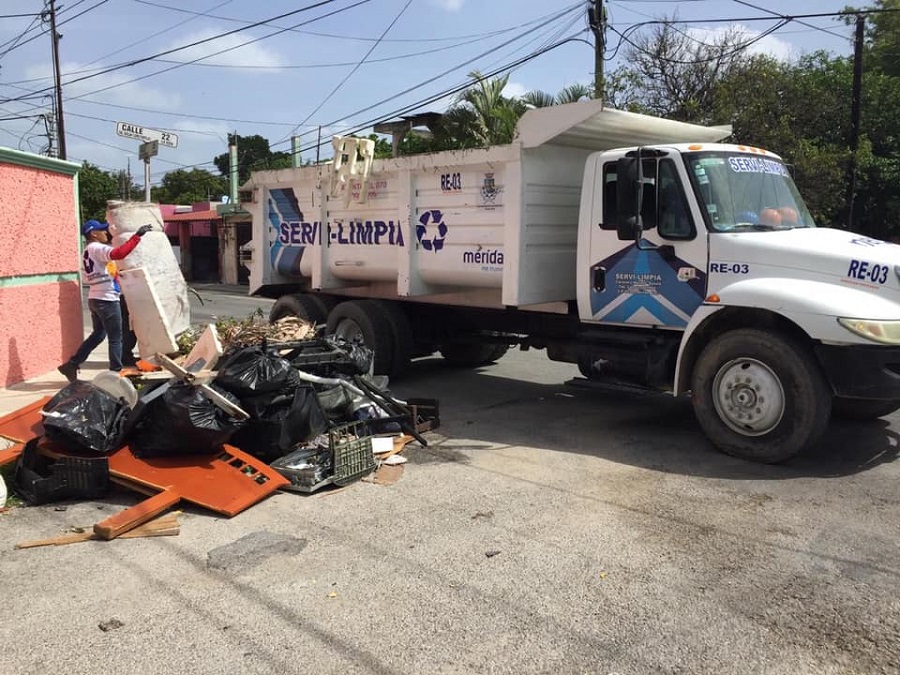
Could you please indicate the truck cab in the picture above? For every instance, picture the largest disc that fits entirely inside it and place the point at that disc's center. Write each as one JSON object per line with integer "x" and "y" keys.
{"x": 779, "y": 321}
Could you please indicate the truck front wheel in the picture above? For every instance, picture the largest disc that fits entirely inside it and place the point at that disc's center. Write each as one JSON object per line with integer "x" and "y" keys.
{"x": 760, "y": 396}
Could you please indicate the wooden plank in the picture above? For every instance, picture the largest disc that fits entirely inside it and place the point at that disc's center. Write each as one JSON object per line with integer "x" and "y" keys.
{"x": 163, "y": 526}
{"x": 138, "y": 514}
{"x": 20, "y": 427}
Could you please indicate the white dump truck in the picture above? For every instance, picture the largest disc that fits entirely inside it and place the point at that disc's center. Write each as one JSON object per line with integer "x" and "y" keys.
{"x": 674, "y": 263}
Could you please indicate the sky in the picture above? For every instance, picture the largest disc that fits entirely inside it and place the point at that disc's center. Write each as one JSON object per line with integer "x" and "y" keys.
{"x": 324, "y": 67}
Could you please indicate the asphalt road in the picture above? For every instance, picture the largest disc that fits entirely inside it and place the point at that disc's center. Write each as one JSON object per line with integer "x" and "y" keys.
{"x": 545, "y": 528}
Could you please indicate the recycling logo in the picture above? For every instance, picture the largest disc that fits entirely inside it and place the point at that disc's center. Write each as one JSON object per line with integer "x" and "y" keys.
{"x": 431, "y": 230}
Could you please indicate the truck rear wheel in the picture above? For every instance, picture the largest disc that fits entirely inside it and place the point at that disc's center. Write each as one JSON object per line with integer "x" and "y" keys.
{"x": 862, "y": 409}
{"x": 404, "y": 342}
{"x": 760, "y": 396}
{"x": 306, "y": 306}
{"x": 364, "y": 320}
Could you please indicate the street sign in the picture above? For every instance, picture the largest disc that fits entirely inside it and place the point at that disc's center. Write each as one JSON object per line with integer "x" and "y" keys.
{"x": 148, "y": 150}
{"x": 166, "y": 138}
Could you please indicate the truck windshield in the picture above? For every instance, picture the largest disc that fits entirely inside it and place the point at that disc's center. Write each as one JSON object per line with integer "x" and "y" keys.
{"x": 742, "y": 192}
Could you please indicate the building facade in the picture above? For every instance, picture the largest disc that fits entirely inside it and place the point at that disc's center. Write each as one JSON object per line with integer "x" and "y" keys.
{"x": 40, "y": 248}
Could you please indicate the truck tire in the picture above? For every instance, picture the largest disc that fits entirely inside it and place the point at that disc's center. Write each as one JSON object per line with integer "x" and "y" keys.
{"x": 306, "y": 306}
{"x": 498, "y": 353}
{"x": 404, "y": 342}
{"x": 364, "y": 320}
{"x": 760, "y": 396}
{"x": 469, "y": 354}
{"x": 862, "y": 409}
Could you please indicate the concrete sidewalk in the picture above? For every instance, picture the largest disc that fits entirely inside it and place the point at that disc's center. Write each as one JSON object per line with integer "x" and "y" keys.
{"x": 19, "y": 395}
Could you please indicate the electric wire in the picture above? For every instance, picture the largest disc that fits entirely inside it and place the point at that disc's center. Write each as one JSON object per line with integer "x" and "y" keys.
{"x": 355, "y": 68}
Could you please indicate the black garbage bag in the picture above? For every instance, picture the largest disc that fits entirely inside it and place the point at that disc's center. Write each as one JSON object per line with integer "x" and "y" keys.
{"x": 358, "y": 359}
{"x": 183, "y": 421}
{"x": 306, "y": 419}
{"x": 84, "y": 417}
{"x": 287, "y": 420}
{"x": 337, "y": 403}
{"x": 254, "y": 370}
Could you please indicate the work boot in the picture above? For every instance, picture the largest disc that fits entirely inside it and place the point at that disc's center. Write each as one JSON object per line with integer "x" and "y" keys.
{"x": 70, "y": 370}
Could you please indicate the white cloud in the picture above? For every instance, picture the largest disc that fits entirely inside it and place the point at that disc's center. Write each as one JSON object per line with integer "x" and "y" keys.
{"x": 449, "y": 5}
{"x": 768, "y": 46}
{"x": 256, "y": 54}
{"x": 136, "y": 94}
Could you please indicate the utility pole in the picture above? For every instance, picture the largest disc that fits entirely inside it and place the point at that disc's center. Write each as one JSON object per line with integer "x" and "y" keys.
{"x": 60, "y": 124}
{"x": 597, "y": 22}
{"x": 855, "y": 117}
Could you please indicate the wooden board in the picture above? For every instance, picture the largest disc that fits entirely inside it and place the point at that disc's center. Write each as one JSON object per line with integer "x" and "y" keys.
{"x": 130, "y": 518}
{"x": 20, "y": 427}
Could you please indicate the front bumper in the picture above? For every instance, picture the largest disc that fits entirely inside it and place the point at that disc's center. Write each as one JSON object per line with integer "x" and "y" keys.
{"x": 862, "y": 371}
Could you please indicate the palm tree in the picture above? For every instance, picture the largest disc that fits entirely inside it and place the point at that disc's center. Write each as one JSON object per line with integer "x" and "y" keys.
{"x": 571, "y": 94}
{"x": 482, "y": 115}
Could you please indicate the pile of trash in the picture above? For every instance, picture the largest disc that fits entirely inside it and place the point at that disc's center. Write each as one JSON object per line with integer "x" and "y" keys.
{"x": 297, "y": 415}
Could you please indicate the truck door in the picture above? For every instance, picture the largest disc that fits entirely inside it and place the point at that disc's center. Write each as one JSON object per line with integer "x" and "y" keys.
{"x": 661, "y": 286}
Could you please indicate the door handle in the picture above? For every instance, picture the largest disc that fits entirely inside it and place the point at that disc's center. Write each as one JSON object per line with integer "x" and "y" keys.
{"x": 598, "y": 278}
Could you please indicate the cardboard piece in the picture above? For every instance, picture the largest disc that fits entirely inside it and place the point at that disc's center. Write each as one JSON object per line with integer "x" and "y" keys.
{"x": 206, "y": 352}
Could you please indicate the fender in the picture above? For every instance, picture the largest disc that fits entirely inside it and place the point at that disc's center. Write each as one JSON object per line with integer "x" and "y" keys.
{"x": 813, "y": 306}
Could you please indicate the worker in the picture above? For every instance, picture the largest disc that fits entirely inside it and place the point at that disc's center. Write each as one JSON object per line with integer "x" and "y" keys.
{"x": 101, "y": 275}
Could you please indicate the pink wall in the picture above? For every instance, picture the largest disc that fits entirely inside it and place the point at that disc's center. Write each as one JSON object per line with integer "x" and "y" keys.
{"x": 35, "y": 207}
{"x": 40, "y": 327}
{"x": 40, "y": 290}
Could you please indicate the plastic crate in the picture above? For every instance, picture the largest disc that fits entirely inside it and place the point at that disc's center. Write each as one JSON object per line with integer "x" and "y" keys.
{"x": 316, "y": 355}
{"x": 40, "y": 480}
{"x": 350, "y": 452}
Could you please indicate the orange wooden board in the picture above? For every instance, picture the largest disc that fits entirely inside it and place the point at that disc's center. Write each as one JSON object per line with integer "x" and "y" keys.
{"x": 226, "y": 483}
{"x": 20, "y": 427}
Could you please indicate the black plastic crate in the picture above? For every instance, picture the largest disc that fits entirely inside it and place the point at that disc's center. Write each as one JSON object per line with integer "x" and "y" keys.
{"x": 40, "y": 480}
{"x": 317, "y": 356}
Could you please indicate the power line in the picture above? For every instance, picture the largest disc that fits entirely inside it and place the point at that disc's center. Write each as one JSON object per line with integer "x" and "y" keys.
{"x": 197, "y": 15}
{"x": 803, "y": 23}
{"x": 329, "y": 35}
{"x": 209, "y": 56}
{"x": 44, "y": 32}
{"x": 304, "y": 66}
{"x": 355, "y": 68}
{"x": 196, "y": 43}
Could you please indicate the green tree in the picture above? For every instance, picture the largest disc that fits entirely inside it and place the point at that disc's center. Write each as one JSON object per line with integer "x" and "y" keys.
{"x": 254, "y": 154}
{"x": 96, "y": 187}
{"x": 481, "y": 115}
{"x": 184, "y": 186}
{"x": 671, "y": 74}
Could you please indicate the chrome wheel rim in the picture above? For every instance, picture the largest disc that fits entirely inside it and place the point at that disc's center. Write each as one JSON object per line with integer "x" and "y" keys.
{"x": 748, "y": 396}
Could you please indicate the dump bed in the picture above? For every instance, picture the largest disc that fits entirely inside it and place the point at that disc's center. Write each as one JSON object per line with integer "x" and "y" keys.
{"x": 487, "y": 227}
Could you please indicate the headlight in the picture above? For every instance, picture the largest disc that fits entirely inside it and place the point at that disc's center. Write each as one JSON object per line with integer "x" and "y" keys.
{"x": 886, "y": 332}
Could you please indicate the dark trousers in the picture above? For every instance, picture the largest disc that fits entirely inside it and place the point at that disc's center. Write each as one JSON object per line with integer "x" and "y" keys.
{"x": 129, "y": 339}
{"x": 106, "y": 320}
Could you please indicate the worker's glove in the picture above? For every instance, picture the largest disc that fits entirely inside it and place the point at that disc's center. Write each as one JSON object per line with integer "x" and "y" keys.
{"x": 143, "y": 229}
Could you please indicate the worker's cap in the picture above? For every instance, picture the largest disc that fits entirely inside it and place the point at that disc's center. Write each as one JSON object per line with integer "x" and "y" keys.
{"x": 91, "y": 225}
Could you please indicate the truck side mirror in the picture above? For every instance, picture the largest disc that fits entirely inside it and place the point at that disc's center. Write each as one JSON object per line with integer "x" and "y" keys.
{"x": 628, "y": 199}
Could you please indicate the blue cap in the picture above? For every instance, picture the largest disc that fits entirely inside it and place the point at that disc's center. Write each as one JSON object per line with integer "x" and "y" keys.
{"x": 91, "y": 225}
